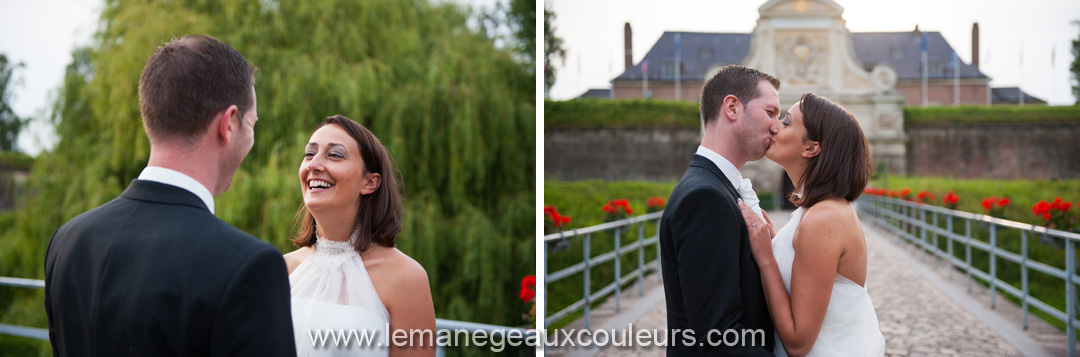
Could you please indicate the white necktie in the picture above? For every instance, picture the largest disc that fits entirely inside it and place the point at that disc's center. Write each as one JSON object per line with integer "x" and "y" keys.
{"x": 746, "y": 190}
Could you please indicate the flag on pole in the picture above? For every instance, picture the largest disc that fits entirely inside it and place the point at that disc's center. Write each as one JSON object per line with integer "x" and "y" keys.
{"x": 1053, "y": 53}
{"x": 678, "y": 60}
{"x": 925, "y": 69}
{"x": 645, "y": 68}
{"x": 954, "y": 62}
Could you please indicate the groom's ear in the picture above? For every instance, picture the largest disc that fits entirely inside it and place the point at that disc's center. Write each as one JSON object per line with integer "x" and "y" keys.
{"x": 811, "y": 150}
{"x": 730, "y": 109}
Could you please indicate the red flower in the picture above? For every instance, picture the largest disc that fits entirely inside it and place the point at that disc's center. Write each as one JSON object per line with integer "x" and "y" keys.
{"x": 950, "y": 199}
{"x": 528, "y": 289}
{"x": 868, "y": 190}
{"x": 1004, "y": 201}
{"x": 988, "y": 203}
{"x": 1046, "y": 216}
{"x": 926, "y": 196}
{"x": 607, "y": 207}
{"x": 1041, "y": 208}
{"x": 557, "y": 220}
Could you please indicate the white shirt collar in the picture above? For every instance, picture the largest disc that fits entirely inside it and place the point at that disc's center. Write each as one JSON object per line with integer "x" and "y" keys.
{"x": 725, "y": 166}
{"x": 178, "y": 179}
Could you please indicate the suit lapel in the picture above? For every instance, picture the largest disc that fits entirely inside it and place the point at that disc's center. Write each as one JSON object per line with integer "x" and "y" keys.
{"x": 152, "y": 191}
{"x": 702, "y": 162}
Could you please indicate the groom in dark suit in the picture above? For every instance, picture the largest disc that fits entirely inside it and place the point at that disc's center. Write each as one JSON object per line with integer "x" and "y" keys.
{"x": 711, "y": 282}
{"x": 154, "y": 272}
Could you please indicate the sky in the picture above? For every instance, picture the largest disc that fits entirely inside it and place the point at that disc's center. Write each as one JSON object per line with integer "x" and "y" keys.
{"x": 42, "y": 34}
{"x": 592, "y": 31}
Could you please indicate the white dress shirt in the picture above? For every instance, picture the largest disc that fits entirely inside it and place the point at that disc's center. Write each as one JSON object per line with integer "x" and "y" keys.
{"x": 178, "y": 179}
{"x": 746, "y": 190}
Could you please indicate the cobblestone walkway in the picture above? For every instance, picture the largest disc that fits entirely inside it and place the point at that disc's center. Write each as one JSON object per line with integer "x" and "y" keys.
{"x": 915, "y": 317}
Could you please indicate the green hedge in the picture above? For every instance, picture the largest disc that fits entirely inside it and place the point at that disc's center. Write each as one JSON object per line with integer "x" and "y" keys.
{"x": 599, "y": 113}
{"x": 992, "y": 114}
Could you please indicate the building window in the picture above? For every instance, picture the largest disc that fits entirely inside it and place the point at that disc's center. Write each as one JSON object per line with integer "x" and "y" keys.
{"x": 667, "y": 71}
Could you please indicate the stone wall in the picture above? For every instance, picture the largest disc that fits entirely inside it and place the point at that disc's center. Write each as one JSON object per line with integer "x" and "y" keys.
{"x": 992, "y": 151}
{"x": 653, "y": 154}
{"x": 996, "y": 151}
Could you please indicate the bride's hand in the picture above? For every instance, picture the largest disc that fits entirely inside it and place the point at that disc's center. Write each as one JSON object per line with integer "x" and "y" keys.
{"x": 761, "y": 234}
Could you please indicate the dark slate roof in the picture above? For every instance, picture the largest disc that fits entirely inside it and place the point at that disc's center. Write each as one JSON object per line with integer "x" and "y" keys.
{"x": 597, "y": 94}
{"x": 701, "y": 51}
{"x": 1011, "y": 95}
{"x": 901, "y": 51}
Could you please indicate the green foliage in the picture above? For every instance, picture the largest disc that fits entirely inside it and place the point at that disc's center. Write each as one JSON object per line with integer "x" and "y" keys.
{"x": 10, "y": 124}
{"x": 994, "y": 114}
{"x": 1074, "y": 67}
{"x": 14, "y": 160}
{"x": 522, "y": 15}
{"x": 598, "y": 113}
{"x": 456, "y": 112}
{"x": 553, "y": 49}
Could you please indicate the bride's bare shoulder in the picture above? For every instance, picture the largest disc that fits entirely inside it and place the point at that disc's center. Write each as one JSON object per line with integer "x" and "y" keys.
{"x": 294, "y": 258}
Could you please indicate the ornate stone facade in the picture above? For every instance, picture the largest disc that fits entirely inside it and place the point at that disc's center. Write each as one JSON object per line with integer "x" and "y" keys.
{"x": 806, "y": 44}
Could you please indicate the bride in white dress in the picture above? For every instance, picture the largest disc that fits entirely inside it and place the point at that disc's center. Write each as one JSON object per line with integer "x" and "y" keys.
{"x": 347, "y": 277}
{"x": 814, "y": 270}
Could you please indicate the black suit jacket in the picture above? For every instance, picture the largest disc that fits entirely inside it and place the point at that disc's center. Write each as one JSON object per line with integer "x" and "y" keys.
{"x": 711, "y": 281}
{"x": 154, "y": 273}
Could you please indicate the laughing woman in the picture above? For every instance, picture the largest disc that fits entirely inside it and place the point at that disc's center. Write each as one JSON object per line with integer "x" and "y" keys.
{"x": 347, "y": 273}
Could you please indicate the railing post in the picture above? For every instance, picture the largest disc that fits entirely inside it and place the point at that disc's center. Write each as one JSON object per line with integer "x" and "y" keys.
{"x": 1024, "y": 274}
{"x": 588, "y": 270}
{"x": 641, "y": 258}
{"x": 948, "y": 238}
{"x": 967, "y": 236}
{"x": 659, "y": 267}
{"x": 922, "y": 231}
{"x": 935, "y": 236}
{"x": 1070, "y": 295}
{"x": 993, "y": 265}
{"x": 618, "y": 271}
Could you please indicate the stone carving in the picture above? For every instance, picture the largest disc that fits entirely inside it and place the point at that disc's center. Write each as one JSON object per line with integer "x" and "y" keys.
{"x": 884, "y": 77}
{"x": 801, "y": 58}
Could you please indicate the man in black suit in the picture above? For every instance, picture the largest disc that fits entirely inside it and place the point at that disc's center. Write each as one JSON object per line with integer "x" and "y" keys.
{"x": 711, "y": 282}
{"x": 154, "y": 272}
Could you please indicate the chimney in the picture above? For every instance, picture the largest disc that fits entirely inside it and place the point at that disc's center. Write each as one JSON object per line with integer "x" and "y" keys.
{"x": 975, "y": 45}
{"x": 627, "y": 43}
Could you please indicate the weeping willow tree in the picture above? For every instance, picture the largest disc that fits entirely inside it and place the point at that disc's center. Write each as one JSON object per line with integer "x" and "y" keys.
{"x": 455, "y": 111}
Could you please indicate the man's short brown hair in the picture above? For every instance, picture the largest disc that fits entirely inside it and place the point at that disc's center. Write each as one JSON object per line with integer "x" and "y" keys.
{"x": 188, "y": 81}
{"x": 733, "y": 79}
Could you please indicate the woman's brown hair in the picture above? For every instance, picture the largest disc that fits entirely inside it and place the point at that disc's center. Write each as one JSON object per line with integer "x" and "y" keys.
{"x": 378, "y": 221}
{"x": 843, "y": 166}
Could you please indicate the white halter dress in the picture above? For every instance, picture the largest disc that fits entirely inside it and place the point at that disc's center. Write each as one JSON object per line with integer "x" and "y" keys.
{"x": 332, "y": 293}
{"x": 850, "y": 327}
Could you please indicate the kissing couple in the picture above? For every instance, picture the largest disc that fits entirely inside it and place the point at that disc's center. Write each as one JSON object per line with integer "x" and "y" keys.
{"x": 154, "y": 272}
{"x": 797, "y": 290}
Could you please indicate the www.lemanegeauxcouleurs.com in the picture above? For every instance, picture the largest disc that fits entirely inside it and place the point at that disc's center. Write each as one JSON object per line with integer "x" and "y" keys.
{"x": 497, "y": 341}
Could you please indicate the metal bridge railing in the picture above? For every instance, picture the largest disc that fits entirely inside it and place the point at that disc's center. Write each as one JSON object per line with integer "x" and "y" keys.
{"x": 521, "y": 335}
{"x": 918, "y": 224}
{"x": 588, "y": 262}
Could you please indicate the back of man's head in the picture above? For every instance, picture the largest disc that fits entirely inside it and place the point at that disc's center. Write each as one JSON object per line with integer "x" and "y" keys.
{"x": 187, "y": 82}
{"x": 739, "y": 81}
